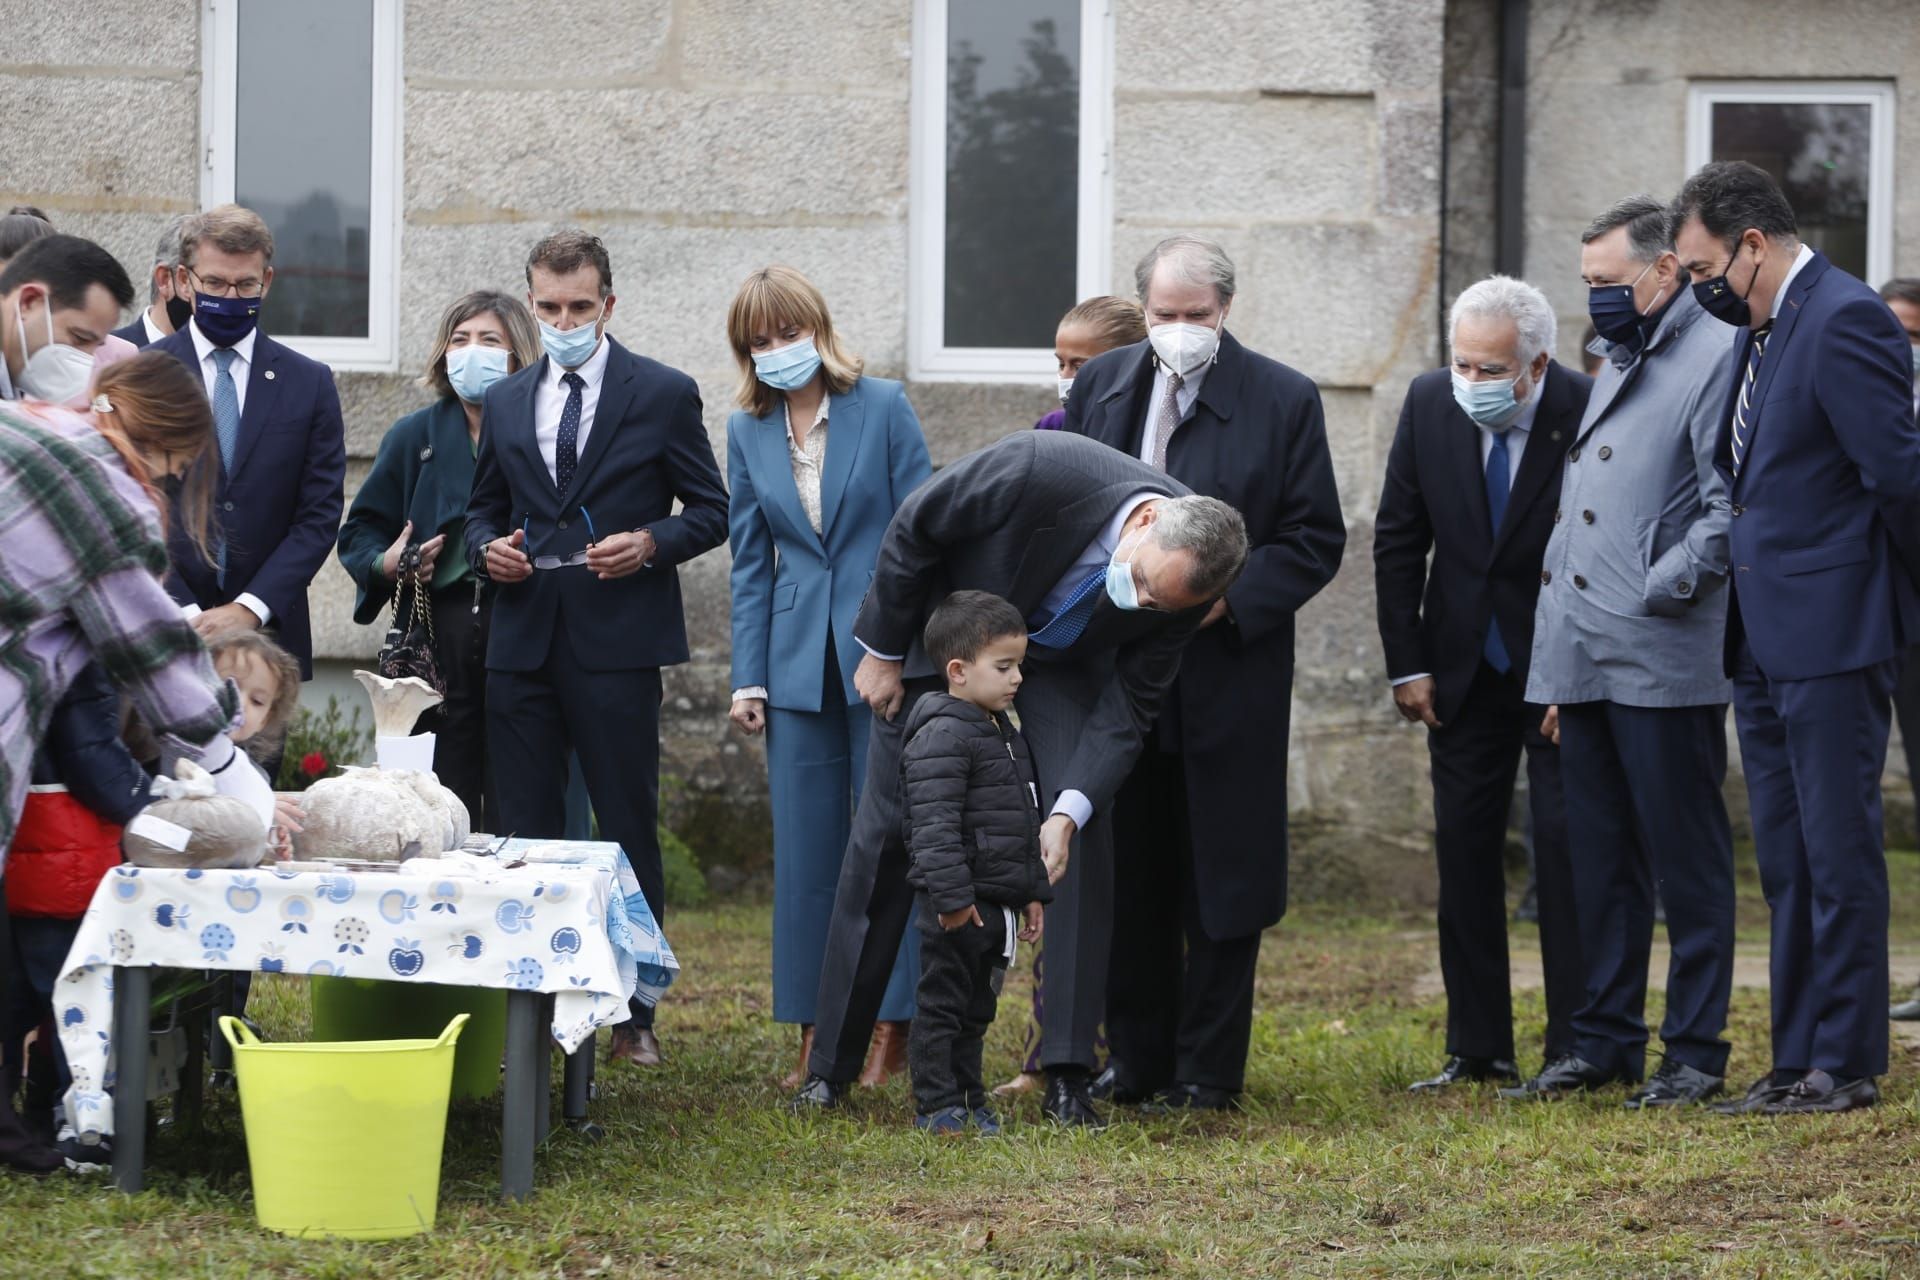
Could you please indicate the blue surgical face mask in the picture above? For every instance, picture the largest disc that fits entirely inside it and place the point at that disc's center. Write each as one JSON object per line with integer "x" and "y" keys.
{"x": 570, "y": 348}
{"x": 1120, "y": 586}
{"x": 787, "y": 368}
{"x": 1491, "y": 404}
{"x": 473, "y": 368}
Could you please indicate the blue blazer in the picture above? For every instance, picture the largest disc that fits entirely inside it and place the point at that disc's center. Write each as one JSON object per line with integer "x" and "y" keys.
{"x": 424, "y": 473}
{"x": 279, "y": 508}
{"x": 1832, "y": 456}
{"x": 136, "y": 333}
{"x": 648, "y": 447}
{"x": 791, "y": 586}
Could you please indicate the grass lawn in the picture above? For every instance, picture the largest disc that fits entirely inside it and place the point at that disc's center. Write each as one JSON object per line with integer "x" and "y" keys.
{"x": 1331, "y": 1169}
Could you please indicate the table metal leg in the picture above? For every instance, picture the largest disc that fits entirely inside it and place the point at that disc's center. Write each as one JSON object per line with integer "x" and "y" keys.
{"x": 543, "y": 1072}
{"x": 517, "y": 1118}
{"x": 132, "y": 1010}
{"x": 577, "y": 1085}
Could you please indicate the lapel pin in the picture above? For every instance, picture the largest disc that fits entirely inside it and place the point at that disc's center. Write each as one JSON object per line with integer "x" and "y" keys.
{"x": 426, "y": 454}
{"x": 269, "y": 375}
{"x": 1555, "y": 436}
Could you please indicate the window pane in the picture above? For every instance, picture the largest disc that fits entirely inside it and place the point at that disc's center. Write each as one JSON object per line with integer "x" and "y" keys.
{"x": 303, "y": 157}
{"x": 1819, "y": 154}
{"x": 1013, "y": 169}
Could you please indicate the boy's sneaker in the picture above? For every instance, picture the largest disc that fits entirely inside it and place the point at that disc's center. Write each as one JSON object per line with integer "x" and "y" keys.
{"x": 945, "y": 1123}
{"x": 986, "y": 1122}
{"x": 84, "y": 1157}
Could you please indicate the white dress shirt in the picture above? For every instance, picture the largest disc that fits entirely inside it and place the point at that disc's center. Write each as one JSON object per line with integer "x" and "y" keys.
{"x": 153, "y": 330}
{"x": 210, "y": 375}
{"x": 1800, "y": 260}
{"x": 1183, "y": 401}
{"x": 1518, "y": 432}
{"x": 550, "y": 400}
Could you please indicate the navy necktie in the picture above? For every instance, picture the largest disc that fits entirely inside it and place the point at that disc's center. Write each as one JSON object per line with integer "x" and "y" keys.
{"x": 1065, "y": 626}
{"x": 1499, "y": 481}
{"x": 565, "y": 453}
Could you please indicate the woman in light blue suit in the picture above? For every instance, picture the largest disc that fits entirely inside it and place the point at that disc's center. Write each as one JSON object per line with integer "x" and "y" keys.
{"x": 818, "y": 459}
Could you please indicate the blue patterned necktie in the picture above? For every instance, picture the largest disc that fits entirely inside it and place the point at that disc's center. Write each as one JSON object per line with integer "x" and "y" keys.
{"x": 1065, "y": 626}
{"x": 1743, "y": 409}
{"x": 565, "y": 455}
{"x": 1499, "y": 481}
{"x": 226, "y": 430}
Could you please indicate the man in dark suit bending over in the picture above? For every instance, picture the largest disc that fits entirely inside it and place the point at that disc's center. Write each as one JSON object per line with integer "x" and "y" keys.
{"x": 581, "y": 459}
{"x": 1114, "y": 564}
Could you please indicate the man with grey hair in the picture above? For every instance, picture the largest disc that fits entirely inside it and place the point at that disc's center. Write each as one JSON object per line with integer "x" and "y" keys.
{"x": 168, "y": 307}
{"x": 1628, "y": 654}
{"x": 1114, "y": 565}
{"x": 1464, "y": 516}
{"x": 1200, "y": 830}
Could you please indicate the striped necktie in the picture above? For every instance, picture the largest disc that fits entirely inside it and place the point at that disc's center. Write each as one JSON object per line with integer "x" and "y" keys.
{"x": 1743, "y": 411}
{"x": 1066, "y": 626}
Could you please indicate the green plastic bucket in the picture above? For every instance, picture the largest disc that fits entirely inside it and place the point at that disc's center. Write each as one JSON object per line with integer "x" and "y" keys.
{"x": 344, "y": 1139}
{"x": 374, "y": 1009}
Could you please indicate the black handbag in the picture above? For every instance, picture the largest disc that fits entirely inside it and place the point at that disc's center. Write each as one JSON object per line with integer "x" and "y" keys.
{"x": 409, "y": 648}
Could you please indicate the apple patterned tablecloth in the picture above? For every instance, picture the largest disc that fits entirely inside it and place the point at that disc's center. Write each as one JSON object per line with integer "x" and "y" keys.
{"x": 567, "y": 919}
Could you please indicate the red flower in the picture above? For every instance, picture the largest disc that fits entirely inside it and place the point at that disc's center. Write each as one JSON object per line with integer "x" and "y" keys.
{"x": 313, "y": 764}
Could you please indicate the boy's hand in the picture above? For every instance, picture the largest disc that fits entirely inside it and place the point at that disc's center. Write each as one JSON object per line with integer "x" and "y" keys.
{"x": 951, "y": 920}
{"x": 1031, "y": 931}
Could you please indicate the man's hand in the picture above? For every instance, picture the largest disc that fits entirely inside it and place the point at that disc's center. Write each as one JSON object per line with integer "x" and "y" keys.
{"x": 1415, "y": 701}
{"x": 750, "y": 714}
{"x": 620, "y": 554}
{"x": 1056, "y": 842}
{"x": 224, "y": 620}
{"x": 951, "y": 920}
{"x": 1215, "y": 614}
{"x": 1550, "y": 726}
{"x": 506, "y": 561}
{"x": 1030, "y": 932}
{"x": 877, "y": 680}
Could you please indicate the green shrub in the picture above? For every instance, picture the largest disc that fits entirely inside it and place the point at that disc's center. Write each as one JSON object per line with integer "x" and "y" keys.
{"x": 318, "y": 745}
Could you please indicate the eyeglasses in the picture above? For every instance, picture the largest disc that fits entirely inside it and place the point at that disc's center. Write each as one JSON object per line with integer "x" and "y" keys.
{"x": 250, "y": 287}
{"x": 560, "y": 562}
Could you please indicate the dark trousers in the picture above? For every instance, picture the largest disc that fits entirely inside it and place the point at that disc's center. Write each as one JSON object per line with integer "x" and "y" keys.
{"x": 611, "y": 719}
{"x": 1813, "y": 751}
{"x": 460, "y": 723}
{"x": 960, "y": 975}
{"x": 1473, "y": 760}
{"x": 1645, "y": 806}
{"x": 871, "y": 906}
{"x": 1179, "y": 1001}
{"x": 1906, "y": 709}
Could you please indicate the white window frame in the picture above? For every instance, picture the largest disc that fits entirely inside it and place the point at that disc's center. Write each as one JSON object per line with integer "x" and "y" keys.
{"x": 929, "y": 358}
{"x": 219, "y": 93}
{"x": 1877, "y": 95}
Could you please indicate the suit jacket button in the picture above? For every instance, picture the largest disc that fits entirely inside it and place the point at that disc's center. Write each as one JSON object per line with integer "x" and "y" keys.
{"x": 1684, "y": 589}
{"x": 1556, "y": 517}
{"x": 1739, "y": 510}
{"x": 1546, "y": 577}
{"x": 1606, "y": 451}
{"x": 1579, "y": 582}
{"x": 563, "y": 524}
{"x": 1587, "y": 516}
{"x": 227, "y": 505}
{"x": 1573, "y": 454}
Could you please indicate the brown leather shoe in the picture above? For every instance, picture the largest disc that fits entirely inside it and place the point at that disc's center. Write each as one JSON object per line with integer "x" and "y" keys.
{"x": 887, "y": 1056}
{"x": 636, "y": 1045}
{"x": 798, "y": 1076}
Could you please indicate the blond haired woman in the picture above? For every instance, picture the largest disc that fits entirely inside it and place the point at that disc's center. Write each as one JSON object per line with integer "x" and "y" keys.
{"x": 818, "y": 459}
{"x": 416, "y": 494}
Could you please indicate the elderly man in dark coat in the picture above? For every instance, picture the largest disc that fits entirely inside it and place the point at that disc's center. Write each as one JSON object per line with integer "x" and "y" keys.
{"x": 1200, "y": 830}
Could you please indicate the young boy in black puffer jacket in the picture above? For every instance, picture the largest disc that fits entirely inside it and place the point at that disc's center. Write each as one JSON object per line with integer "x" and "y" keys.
{"x": 972, "y": 815}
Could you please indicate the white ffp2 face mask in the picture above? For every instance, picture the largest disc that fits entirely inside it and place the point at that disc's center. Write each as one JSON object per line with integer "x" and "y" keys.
{"x": 56, "y": 372}
{"x": 1066, "y": 389}
{"x": 1184, "y": 347}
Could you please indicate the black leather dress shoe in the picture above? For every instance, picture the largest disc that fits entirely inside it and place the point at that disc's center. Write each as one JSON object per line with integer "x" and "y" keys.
{"x": 1111, "y": 1086}
{"x": 1818, "y": 1093}
{"x": 1675, "y": 1084}
{"x": 1562, "y": 1076}
{"x": 1069, "y": 1104}
{"x": 1769, "y": 1088}
{"x": 1906, "y": 1011}
{"x": 1461, "y": 1070}
{"x": 1178, "y": 1099}
{"x": 817, "y": 1094}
